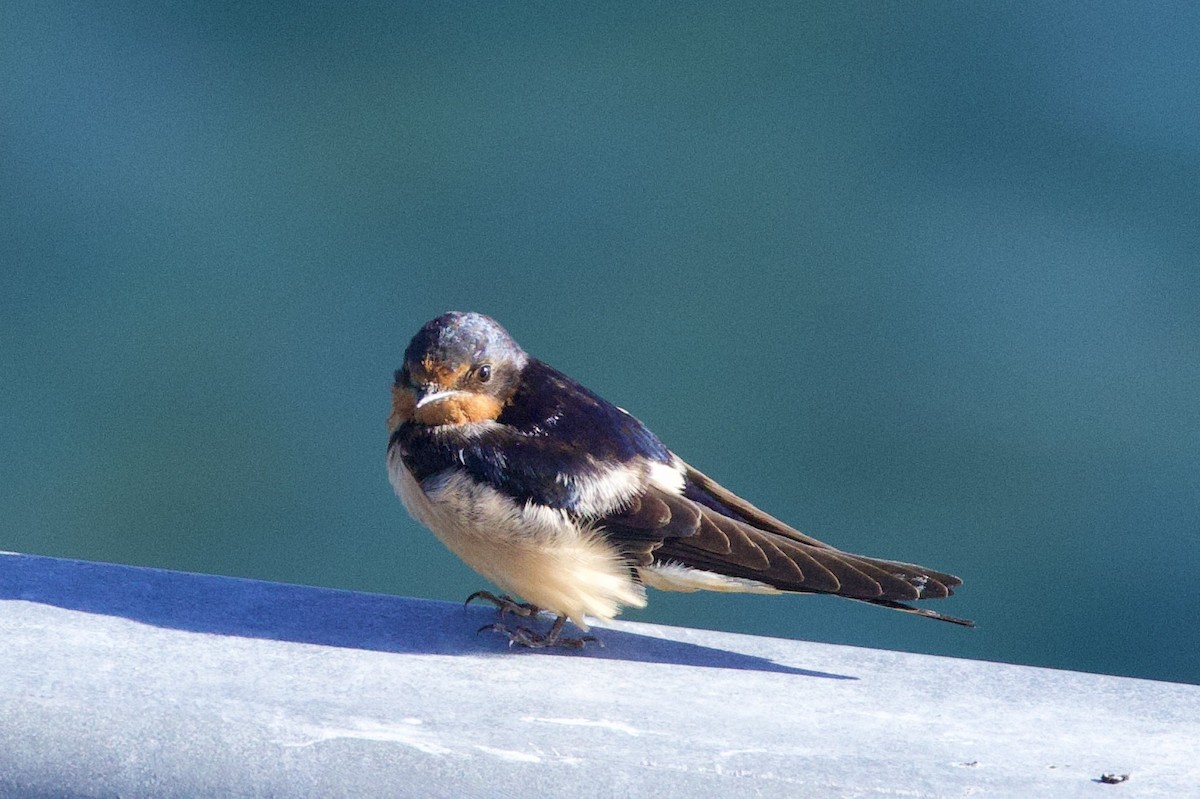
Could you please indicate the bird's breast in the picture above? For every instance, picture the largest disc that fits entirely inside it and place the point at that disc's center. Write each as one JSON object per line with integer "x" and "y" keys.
{"x": 537, "y": 552}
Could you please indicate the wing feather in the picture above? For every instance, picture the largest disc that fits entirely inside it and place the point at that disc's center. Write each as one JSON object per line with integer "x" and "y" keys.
{"x": 709, "y": 527}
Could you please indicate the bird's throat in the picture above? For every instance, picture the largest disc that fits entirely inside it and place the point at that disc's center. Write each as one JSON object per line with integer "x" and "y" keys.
{"x": 460, "y": 407}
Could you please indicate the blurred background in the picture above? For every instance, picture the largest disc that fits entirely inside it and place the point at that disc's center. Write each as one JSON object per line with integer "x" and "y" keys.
{"x": 921, "y": 279}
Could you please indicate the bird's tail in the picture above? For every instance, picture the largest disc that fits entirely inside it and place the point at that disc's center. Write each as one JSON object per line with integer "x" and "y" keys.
{"x": 929, "y": 614}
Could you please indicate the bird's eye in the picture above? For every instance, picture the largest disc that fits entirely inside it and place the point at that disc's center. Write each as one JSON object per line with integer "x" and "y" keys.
{"x": 484, "y": 372}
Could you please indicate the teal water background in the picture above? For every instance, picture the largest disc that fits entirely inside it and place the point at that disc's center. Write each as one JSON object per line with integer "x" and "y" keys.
{"x": 922, "y": 279}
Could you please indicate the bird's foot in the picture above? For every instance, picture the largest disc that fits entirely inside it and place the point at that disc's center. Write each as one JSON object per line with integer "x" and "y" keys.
{"x": 506, "y": 604}
{"x": 532, "y": 639}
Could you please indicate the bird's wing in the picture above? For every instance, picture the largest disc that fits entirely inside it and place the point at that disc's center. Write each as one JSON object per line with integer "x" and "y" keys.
{"x": 709, "y": 528}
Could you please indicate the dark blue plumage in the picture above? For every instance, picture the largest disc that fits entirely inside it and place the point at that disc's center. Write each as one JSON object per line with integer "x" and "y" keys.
{"x": 552, "y": 428}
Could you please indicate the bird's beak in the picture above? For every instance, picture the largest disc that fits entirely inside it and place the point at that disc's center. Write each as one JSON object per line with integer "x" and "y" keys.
{"x": 432, "y": 393}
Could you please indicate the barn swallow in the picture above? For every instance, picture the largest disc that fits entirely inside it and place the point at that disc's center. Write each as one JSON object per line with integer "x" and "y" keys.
{"x": 565, "y": 500}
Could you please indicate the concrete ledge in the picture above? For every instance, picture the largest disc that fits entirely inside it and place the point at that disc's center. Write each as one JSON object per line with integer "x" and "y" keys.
{"x": 134, "y": 682}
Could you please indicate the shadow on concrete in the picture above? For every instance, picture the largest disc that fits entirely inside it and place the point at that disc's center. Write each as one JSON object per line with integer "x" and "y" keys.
{"x": 202, "y": 603}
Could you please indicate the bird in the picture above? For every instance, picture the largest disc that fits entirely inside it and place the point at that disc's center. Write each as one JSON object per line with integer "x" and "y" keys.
{"x": 568, "y": 502}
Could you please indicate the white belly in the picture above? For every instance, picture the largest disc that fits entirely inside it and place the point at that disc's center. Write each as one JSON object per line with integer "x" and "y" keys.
{"x": 531, "y": 551}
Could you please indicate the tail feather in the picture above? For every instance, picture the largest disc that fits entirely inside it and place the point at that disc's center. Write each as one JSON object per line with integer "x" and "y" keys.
{"x": 929, "y": 614}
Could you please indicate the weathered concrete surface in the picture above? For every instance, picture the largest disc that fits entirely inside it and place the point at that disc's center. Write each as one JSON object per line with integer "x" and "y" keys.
{"x": 132, "y": 682}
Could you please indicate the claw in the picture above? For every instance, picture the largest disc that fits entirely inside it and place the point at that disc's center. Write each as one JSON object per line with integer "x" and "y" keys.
{"x": 505, "y": 604}
{"x": 532, "y": 639}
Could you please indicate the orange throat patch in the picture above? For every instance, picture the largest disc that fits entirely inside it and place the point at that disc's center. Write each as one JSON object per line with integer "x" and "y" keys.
{"x": 459, "y": 409}
{"x": 463, "y": 408}
{"x": 403, "y": 405}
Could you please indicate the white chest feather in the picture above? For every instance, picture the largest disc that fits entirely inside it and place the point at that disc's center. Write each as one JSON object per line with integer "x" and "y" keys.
{"x": 528, "y": 550}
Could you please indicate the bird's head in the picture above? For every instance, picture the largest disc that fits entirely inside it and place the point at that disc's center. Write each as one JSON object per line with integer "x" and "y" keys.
{"x": 460, "y": 368}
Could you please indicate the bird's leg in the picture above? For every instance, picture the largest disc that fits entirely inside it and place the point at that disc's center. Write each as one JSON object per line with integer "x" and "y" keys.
{"x": 532, "y": 639}
{"x": 506, "y": 604}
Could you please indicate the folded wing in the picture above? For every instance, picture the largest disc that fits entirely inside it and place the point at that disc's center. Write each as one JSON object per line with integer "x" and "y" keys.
{"x": 709, "y": 528}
